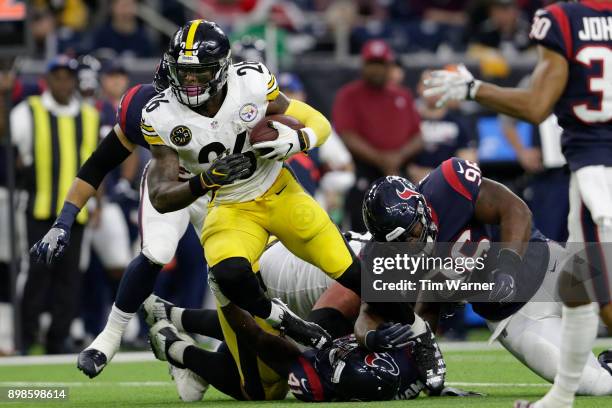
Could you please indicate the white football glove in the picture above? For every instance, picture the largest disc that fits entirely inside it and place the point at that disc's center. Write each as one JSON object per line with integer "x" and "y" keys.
{"x": 288, "y": 143}
{"x": 451, "y": 85}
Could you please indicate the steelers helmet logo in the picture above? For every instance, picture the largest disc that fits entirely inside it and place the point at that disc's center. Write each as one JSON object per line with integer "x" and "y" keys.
{"x": 180, "y": 135}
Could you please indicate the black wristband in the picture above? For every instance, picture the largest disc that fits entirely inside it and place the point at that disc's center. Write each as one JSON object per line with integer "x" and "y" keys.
{"x": 470, "y": 85}
{"x": 196, "y": 187}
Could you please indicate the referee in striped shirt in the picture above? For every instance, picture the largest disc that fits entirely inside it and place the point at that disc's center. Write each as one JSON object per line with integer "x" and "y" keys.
{"x": 54, "y": 133}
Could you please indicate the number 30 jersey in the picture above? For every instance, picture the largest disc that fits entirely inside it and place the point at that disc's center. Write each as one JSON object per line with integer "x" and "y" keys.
{"x": 582, "y": 33}
{"x": 199, "y": 139}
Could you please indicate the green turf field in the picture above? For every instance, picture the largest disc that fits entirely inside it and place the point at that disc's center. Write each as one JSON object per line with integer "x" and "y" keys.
{"x": 494, "y": 372}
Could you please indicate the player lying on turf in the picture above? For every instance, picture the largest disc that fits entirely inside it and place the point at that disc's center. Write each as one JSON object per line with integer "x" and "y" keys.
{"x": 531, "y": 334}
{"x": 344, "y": 370}
{"x": 456, "y": 204}
{"x": 209, "y": 109}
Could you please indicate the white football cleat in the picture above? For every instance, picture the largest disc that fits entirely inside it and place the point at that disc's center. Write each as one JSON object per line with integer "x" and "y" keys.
{"x": 190, "y": 386}
{"x": 156, "y": 309}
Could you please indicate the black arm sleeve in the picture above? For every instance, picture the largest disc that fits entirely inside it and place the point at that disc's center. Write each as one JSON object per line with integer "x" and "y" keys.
{"x": 108, "y": 155}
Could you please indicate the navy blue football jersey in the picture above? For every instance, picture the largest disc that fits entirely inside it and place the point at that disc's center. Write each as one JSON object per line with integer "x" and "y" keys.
{"x": 451, "y": 192}
{"x": 582, "y": 33}
{"x": 129, "y": 113}
{"x": 314, "y": 375}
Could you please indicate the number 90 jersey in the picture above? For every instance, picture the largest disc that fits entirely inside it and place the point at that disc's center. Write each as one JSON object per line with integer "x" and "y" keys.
{"x": 199, "y": 139}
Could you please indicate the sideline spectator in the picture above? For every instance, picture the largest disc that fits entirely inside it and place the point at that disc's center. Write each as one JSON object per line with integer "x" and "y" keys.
{"x": 54, "y": 133}
{"x": 122, "y": 33}
{"x": 505, "y": 28}
{"x": 445, "y": 134}
{"x": 378, "y": 122}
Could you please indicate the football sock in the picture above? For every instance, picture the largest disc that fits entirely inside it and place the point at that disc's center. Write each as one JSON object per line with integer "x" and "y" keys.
{"x": 109, "y": 339}
{"x": 418, "y": 327}
{"x": 215, "y": 367}
{"x": 176, "y": 317}
{"x": 200, "y": 321}
{"x": 578, "y": 332}
{"x": 136, "y": 283}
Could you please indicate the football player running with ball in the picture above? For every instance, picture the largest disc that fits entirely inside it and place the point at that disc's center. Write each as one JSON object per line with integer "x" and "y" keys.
{"x": 200, "y": 126}
{"x": 573, "y": 77}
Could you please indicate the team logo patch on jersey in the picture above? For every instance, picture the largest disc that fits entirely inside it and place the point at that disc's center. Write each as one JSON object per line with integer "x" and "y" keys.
{"x": 248, "y": 112}
{"x": 180, "y": 135}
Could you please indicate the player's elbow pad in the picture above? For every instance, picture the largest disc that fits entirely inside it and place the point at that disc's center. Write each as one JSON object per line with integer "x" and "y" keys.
{"x": 108, "y": 155}
{"x": 311, "y": 118}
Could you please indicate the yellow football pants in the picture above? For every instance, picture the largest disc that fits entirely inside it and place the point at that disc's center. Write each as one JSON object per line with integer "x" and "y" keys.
{"x": 286, "y": 211}
{"x": 256, "y": 377}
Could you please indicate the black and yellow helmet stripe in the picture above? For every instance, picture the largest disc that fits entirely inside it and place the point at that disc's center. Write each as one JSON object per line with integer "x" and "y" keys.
{"x": 190, "y": 36}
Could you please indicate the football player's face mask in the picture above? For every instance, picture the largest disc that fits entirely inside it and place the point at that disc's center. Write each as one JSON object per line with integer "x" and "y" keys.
{"x": 194, "y": 83}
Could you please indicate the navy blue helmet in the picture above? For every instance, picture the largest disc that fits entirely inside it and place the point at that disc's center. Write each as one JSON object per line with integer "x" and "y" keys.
{"x": 391, "y": 209}
{"x": 160, "y": 79}
{"x": 344, "y": 372}
{"x": 198, "y": 61}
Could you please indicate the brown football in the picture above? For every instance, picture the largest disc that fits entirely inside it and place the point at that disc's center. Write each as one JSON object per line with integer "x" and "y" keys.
{"x": 262, "y": 132}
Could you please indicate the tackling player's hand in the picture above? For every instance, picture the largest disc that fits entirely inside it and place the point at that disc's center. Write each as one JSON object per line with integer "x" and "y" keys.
{"x": 224, "y": 170}
{"x": 504, "y": 276}
{"x": 388, "y": 336}
{"x": 288, "y": 143}
{"x": 52, "y": 246}
{"x": 450, "y": 85}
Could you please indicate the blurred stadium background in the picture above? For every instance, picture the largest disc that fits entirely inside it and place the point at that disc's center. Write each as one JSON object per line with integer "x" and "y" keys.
{"x": 315, "y": 47}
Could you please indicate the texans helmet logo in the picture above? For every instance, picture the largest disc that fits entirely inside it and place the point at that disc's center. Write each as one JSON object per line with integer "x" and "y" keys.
{"x": 383, "y": 361}
{"x": 406, "y": 194}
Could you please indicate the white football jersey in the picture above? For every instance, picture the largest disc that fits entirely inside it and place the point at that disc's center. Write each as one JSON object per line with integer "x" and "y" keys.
{"x": 199, "y": 139}
{"x": 293, "y": 280}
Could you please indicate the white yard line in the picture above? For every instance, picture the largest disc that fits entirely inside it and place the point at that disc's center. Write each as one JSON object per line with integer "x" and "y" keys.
{"x": 510, "y": 385}
{"x": 171, "y": 384}
{"x": 128, "y": 357}
{"x": 87, "y": 384}
{"x": 147, "y": 356}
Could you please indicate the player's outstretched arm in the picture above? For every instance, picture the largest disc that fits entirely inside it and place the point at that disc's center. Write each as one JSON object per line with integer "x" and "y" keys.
{"x": 375, "y": 334}
{"x": 113, "y": 150}
{"x": 533, "y": 104}
{"x": 277, "y": 352}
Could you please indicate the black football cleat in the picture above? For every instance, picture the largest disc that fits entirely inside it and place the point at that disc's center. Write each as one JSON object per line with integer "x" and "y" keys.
{"x": 430, "y": 363}
{"x": 91, "y": 362}
{"x": 306, "y": 333}
{"x": 605, "y": 359}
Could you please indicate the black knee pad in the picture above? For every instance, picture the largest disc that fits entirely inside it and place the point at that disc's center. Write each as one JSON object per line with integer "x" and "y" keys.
{"x": 240, "y": 285}
{"x": 231, "y": 270}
